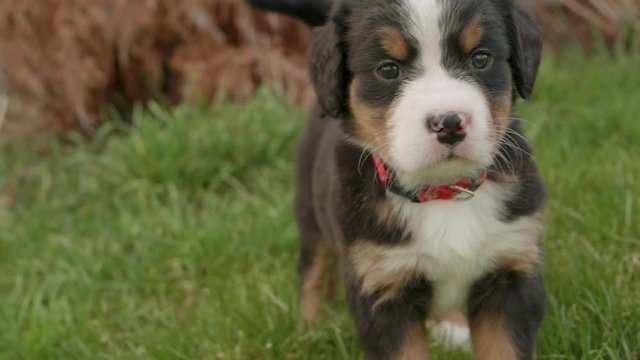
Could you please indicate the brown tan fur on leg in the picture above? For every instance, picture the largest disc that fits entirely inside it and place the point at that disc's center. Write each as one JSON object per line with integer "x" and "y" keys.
{"x": 491, "y": 340}
{"x": 367, "y": 260}
{"x": 527, "y": 261}
{"x": 333, "y": 279}
{"x": 415, "y": 346}
{"x": 313, "y": 283}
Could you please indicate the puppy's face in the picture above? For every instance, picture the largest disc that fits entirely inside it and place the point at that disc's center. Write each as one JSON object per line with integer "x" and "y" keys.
{"x": 427, "y": 84}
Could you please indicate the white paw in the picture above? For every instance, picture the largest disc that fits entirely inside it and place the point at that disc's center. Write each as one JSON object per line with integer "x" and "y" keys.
{"x": 451, "y": 335}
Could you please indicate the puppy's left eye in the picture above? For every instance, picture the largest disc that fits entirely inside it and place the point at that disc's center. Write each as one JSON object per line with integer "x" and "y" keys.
{"x": 481, "y": 60}
{"x": 389, "y": 71}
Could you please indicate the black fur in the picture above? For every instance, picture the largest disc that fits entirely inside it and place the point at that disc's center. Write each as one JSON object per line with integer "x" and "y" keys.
{"x": 327, "y": 68}
{"x": 382, "y": 330}
{"x": 516, "y": 298}
{"x": 526, "y": 44}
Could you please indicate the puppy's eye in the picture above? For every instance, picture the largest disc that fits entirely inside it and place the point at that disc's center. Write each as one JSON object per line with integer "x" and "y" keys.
{"x": 389, "y": 71}
{"x": 481, "y": 60}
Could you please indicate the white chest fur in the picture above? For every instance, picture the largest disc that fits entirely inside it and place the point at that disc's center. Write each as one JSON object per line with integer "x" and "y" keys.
{"x": 455, "y": 243}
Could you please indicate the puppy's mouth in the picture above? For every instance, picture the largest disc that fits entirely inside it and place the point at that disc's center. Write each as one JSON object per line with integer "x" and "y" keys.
{"x": 448, "y": 169}
{"x": 437, "y": 164}
{"x": 452, "y": 156}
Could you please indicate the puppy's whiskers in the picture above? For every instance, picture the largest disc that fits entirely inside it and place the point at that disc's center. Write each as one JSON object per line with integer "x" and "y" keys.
{"x": 368, "y": 148}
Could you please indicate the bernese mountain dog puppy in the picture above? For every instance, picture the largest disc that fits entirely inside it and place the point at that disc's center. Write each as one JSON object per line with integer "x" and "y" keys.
{"x": 414, "y": 180}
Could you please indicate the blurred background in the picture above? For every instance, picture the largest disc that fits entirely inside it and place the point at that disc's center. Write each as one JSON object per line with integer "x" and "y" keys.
{"x": 64, "y": 62}
{"x": 146, "y": 182}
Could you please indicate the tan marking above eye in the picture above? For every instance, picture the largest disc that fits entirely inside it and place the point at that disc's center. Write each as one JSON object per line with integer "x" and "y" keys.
{"x": 472, "y": 34}
{"x": 394, "y": 43}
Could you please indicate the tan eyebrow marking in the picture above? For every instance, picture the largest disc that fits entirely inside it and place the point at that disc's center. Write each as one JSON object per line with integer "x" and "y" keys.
{"x": 472, "y": 34}
{"x": 394, "y": 43}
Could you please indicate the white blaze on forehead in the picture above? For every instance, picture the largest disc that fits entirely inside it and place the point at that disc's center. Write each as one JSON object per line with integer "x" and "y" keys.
{"x": 424, "y": 17}
{"x": 413, "y": 148}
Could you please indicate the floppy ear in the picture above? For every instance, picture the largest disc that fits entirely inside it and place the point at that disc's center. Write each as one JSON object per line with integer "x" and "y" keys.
{"x": 526, "y": 51}
{"x": 327, "y": 67}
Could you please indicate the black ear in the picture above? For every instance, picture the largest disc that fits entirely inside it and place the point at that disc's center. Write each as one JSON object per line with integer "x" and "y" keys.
{"x": 526, "y": 51}
{"x": 327, "y": 67}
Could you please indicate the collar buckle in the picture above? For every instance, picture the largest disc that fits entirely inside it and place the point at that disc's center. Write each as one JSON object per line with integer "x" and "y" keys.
{"x": 463, "y": 193}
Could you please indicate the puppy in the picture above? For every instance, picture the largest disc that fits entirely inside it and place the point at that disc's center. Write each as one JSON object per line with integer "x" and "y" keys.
{"x": 414, "y": 178}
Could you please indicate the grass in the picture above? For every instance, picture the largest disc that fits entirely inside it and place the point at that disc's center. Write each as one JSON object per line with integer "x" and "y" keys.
{"x": 176, "y": 240}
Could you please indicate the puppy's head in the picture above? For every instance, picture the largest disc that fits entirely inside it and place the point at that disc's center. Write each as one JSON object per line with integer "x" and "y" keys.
{"x": 427, "y": 85}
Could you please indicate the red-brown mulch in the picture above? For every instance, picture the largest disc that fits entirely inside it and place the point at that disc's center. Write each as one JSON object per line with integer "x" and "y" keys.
{"x": 61, "y": 61}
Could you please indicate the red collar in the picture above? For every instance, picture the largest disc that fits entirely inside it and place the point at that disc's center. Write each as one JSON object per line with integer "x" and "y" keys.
{"x": 460, "y": 190}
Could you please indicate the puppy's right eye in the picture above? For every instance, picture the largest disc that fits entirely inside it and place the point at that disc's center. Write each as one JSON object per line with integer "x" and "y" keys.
{"x": 389, "y": 71}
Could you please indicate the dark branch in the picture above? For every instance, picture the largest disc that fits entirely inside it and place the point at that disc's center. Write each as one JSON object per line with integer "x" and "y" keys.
{"x": 312, "y": 12}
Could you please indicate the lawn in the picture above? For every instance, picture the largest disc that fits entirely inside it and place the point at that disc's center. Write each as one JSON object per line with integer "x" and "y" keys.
{"x": 174, "y": 239}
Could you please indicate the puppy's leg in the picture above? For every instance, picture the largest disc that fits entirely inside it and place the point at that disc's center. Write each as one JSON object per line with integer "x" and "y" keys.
{"x": 333, "y": 279}
{"x": 451, "y": 331}
{"x": 395, "y": 328}
{"x": 314, "y": 269}
{"x": 505, "y": 310}
{"x": 316, "y": 255}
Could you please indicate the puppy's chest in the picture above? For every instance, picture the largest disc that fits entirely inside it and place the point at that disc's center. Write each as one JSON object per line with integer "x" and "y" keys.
{"x": 454, "y": 243}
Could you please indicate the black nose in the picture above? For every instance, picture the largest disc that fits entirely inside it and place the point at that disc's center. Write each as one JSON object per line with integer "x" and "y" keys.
{"x": 449, "y": 127}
